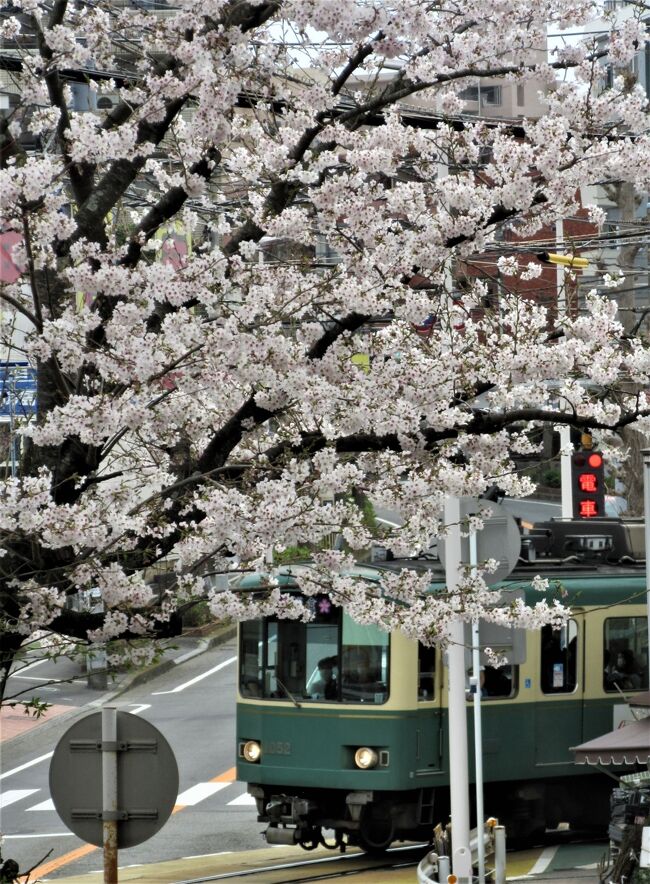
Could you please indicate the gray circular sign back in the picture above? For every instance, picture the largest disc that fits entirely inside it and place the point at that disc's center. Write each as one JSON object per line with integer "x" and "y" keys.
{"x": 147, "y": 779}
{"x": 500, "y": 538}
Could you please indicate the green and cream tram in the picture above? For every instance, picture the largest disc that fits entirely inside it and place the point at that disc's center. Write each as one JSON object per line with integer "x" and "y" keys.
{"x": 342, "y": 729}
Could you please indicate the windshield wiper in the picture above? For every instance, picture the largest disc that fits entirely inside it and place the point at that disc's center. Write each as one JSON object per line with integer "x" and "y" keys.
{"x": 288, "y": 693}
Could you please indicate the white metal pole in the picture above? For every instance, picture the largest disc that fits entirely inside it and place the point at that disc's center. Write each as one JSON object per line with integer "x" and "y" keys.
{"x": 109, "y": 792}
{"x": 458, "y": 774}
{"x": 646, "y": 533}
{"x": 565, "y": 432}
{"x": 565, "y": 472}
{"x": 499, "y": 855}
{"x": 478, "y": 726}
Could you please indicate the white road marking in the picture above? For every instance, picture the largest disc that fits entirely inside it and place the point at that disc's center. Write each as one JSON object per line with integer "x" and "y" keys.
{"x": 139, "y": 707}
{"x": 196, "y": 679}
{"x": 35, "y": 678}
{"x": 13, "y": 795}
{"x": 544, "y": 860}
{"x": 44, "y": 835}
{"x": 31, "y": 666}
{"x": 197, "y": 793}
{"x": 31, "y": 763}
{"x": 202, "y": 855}
{"x": 388, "y": 522}
{"x": 244, "y": 800}
{"x": 44, "y": 805}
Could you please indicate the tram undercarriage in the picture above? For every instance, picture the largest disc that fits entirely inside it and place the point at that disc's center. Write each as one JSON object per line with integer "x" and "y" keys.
{"x": 373, "y": 820}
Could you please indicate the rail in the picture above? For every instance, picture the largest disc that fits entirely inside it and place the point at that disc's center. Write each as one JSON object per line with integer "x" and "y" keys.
{"x": 435, "y": 868}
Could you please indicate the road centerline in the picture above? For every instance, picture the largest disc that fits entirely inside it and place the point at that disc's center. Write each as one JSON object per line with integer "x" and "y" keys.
{"x": 196, "y": 679}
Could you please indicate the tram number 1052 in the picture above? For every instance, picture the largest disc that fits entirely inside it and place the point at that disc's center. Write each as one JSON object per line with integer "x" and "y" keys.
{"x": 277, "y": 748}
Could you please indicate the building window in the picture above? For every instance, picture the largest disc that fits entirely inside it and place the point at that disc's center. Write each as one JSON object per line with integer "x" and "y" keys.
{"x": 521, "y": 95}
{"x": 485, "y": 95}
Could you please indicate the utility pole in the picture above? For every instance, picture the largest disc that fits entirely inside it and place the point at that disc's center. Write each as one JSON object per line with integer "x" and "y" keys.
{"x": 458, "y": 773}
{"x": 565, "y": 431}
{"x": 478, "y": 721}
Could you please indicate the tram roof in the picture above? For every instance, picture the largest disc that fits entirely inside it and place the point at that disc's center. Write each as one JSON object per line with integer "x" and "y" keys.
{"x": 581, "y": 583}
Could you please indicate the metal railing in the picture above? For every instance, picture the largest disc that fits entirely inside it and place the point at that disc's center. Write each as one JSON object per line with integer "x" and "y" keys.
{"x": 435, "y": 868}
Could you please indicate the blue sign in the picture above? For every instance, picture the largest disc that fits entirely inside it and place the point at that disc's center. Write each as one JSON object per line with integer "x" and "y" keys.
{"x": 17, "y": 390}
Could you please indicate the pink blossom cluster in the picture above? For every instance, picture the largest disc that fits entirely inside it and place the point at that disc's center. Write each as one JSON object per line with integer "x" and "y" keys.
{"x": 239, "y": 294}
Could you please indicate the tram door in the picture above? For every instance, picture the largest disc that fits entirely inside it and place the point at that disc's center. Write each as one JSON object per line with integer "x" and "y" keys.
{"x": 559, "y": 706}
{"x": 428, "y": 734}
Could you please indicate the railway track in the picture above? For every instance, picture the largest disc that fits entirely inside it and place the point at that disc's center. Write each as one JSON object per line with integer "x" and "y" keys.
{"x": 345, "y": 865}
{"x": 350, "y": 865}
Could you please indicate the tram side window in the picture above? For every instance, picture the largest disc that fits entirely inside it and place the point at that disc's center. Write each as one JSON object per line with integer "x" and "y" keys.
{"x": 426, "y": 671}
{"x": 625, "y": 654}
{"x": 500, "y": 682}
{"x": 559, "y": 672}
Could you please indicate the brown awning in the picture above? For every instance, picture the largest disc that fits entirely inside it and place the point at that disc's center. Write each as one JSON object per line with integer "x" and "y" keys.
{"x": 629, "y": 744}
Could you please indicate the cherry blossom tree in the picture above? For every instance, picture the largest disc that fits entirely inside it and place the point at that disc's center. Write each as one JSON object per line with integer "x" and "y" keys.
{"x": 227, "y": 261}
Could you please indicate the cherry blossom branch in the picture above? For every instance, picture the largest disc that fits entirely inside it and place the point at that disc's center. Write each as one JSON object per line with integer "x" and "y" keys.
{"x": 38, "y": 313}
{"x": 81, "y": 175}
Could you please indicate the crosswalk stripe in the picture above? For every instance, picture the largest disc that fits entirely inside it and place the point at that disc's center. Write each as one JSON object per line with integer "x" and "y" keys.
{"x": 13, "y": 795}
{"x": 244, "y": 800}
{"x": 44, "y": 835}
{"x": 44, "y": 805}
{"x": 198, "y": 792}
{"x": 190, "y": 797}
{"x": 544, "y": 860}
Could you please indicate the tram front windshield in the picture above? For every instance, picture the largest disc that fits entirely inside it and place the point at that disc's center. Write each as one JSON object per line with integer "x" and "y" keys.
{"x": 329, "y": 659}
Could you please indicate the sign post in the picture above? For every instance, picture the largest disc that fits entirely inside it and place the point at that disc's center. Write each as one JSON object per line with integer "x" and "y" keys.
{"x": 113, "y": 781}
{"x": 109, "y": 792}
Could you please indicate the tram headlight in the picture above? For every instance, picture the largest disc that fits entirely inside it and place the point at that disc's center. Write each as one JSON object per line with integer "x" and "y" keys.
{"x": 252, "y": 751}
{"x": 365, "y": 758}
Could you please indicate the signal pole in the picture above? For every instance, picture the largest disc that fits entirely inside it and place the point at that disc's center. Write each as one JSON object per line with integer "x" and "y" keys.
{"x": 573, "y": 262}
{"x": 565, "y": 472}
{"x": 645, "y": 452}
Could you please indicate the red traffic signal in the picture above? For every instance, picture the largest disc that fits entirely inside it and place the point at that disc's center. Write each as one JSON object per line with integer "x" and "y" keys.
{"x": 588, "y": 485}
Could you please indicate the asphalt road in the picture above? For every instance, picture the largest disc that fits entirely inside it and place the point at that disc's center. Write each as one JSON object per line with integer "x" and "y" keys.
{"x": 193, "y": 705}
